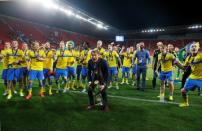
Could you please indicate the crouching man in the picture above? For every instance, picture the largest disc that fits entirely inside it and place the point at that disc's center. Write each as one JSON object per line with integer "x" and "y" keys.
{"x": 97, "y": 78}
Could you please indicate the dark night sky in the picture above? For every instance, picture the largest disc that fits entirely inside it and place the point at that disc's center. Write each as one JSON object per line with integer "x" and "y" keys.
{"x": 138, "y": 14}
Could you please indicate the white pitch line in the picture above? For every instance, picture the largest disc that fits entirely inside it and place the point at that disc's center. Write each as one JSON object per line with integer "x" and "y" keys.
{"x": 144, "y": 100}
{"x": 133, "y": 98}
{"x": 140, "y": 99}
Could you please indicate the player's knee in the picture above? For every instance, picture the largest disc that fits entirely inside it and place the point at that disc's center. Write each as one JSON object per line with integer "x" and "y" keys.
{"x": 183, "y": 91}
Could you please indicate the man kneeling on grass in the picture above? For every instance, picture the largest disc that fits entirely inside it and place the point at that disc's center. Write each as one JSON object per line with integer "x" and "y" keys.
{"x": 97, "y": 78}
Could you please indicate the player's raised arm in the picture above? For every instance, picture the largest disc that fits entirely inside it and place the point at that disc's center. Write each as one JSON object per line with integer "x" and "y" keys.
{"x": 122, "y": 50}
{"x": 179, "y": 64}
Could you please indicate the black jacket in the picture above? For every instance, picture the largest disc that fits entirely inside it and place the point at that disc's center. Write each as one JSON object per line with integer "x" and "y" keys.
{"x": 98, "y": 71}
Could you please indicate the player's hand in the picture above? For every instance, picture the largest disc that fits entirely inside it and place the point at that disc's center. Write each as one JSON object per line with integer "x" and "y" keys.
{"x": 26, "y": 57}
{"x": 102, "y": 87}
{"x": 16, "y": 62}
{"x": 175, "y": 62}
{"x": 53, "y": 50}
{"x": 40, "y": 58}
{"x": 89, "y": 84}
{"x": 96, "y": 82}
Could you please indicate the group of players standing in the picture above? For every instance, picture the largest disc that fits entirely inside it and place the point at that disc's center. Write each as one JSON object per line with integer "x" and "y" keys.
{"x": 68, "y": 65}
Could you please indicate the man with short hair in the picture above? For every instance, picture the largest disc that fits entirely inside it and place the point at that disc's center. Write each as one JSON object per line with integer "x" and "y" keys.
{"x": 25, "y": 65}
{"x": 142, "y": 57}
{"x": 85, "y": 57}
{"x": 48, "y": 66}
{"x": 112, "y": 57}
{"x": 154, "y": 64}
{"x": 4, "y": 58}
{"x": 97, "y": 76}
{"x": 61, "y": 57}
{"x": 127, "y": 63}
{"x": 71, "y": 65}
{"x": 100, "y": 49}
{"x": 37, "y": 57}
{"x": 166, "y": 60}
{"x": 14, "y": 74}
{"x": 195, "y": 78}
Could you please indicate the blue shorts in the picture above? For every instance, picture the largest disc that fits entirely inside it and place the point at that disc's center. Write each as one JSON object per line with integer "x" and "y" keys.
{"x": 14, "y": 74}
{"x": 71, "y": 71}
{"x": 134, "y": 69}
{"x": 33, "y": 74}
{"x": 166, "y": 76}
{"x": 45, "y": 73}
{"x": 125, "y": 70}
{"x": 24, "y": 71}
{"x": 60, "y": 73}
{"x": 113, "y": 71}
{"x": 84, "y": 71}
{"x": 191, "y": 84}
{"x": 4, "y": 74}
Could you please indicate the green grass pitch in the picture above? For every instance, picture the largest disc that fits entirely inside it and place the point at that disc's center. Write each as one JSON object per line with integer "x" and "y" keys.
{"x": 131, "y": 110}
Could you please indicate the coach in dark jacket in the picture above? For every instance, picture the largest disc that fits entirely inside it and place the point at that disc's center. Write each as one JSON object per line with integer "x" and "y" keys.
{"x": 97, "y": 75}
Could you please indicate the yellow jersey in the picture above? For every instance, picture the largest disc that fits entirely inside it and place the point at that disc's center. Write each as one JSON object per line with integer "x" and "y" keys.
{"x": 14, "y": 57}
{"x": 62, "y": 58}
{"x": 25, "y": 62}
{"x": 4, "y": 59}
{"x": 188, "y": 60}
{"x": 48, "y": 63}
{"x": 127, "y": 60}
{"x": 166, "y": 61}
{"x": 85, "y": 57}
{"x": 111, "y": 58}
{"x": 72, "y": 59}
{"x": 135, "y": 61}
{"x": 35, "y": 64}
{"x": 78, "y": 58}
{"x": 102, "y": 52}
{"x": 196, "y": 67}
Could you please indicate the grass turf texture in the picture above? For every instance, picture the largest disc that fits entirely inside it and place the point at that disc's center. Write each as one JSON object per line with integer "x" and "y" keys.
{"x": 62, "y": 112}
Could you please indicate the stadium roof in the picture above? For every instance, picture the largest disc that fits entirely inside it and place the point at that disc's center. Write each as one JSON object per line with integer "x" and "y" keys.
{"x": 140, "y": 14}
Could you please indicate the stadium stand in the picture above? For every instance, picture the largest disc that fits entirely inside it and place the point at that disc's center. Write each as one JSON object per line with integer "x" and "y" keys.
{"x": 14, "y": 28}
